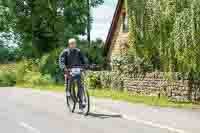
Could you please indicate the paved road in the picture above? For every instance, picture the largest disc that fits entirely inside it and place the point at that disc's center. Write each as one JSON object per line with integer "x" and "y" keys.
{"x": 28, "y": 111}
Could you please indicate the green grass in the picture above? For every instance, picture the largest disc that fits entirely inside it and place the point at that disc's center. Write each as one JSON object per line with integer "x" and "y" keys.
{"x": 56, "y": 88}
{"x": 148, "y": 100}
{"x": 122, "y": 96}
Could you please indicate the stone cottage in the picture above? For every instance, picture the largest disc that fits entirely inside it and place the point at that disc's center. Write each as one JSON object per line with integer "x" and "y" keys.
{"x": 117, "y": 40}
{"x": 153, "y": 84}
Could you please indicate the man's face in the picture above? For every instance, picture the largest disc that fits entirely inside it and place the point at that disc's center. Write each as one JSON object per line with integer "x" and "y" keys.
{"x": 72, "y": 45}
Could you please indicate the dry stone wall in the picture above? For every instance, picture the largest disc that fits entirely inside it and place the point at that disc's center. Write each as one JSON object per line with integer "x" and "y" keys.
{"x": 152, "y": 84}
{"x": 149, "y": 84}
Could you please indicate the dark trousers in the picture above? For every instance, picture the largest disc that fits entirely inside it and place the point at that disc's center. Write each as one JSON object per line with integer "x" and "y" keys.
{"x": 76, "y": 79}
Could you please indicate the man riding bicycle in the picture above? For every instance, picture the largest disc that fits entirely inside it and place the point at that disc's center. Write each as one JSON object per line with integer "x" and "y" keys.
{"x": 73, "y": 60}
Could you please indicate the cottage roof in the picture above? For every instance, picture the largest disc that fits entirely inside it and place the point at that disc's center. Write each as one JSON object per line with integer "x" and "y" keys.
{"x": 113, "y": 26}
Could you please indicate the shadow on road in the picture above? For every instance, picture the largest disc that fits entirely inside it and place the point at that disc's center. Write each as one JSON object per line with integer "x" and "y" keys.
{"x": 103, "y": 116}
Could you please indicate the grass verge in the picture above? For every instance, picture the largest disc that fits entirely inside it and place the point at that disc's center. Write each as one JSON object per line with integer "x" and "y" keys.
{"x": 122, "y": 96}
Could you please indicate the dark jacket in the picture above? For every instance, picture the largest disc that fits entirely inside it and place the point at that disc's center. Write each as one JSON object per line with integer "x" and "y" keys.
{"x": 74, "y": 57}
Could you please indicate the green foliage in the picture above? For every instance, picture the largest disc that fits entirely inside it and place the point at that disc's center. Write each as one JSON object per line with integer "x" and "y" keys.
{"x": 104, "y": 79}
{"x": 94, "y": 51}
{"x": 36, "y": 78}
{"x": 46, "y": 65}
{"x": 119, "y": 63}
{"x": 165, "y": 34}
{"x": 24, "y": 67}
{"x": 76, "y": 15}
{"x": 49, "y": 63}
{"x": 95, "y": 55}
{"x": 131, "y": 65}
{"x": 8, "y": 54}
{"x": 6, "y": 15}
{"x": 4, "y": 52}
{"x": 42, "y": 26}
{"x": 93, "y": 81}
{"x": 28, "y": 71}
{"x": 7, "y": 78}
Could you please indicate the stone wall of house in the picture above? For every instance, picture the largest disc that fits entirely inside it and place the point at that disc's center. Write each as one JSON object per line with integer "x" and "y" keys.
{"x": 153, "y": 84}
{"x": 150, "y": 84}
{"x": 119, "y": 39}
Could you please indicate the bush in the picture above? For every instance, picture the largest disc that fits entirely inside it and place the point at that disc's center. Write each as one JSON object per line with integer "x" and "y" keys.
{"x": 94, "y": 51}
{"x": 29, "y": 72}
{"x": 93, "y": 80}
{"x": 104, "y": 79}
{"x": 36, "y": 78}
{"x": 7, "y": 78}
{"x": 48, "y": 64}
{"x": 131, "y": 65}
{"x": 24, "y": 67}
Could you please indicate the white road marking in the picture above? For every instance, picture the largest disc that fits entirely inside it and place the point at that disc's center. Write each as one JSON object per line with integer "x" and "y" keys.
{"x": 148, "y": 123}
{"x": 126, "y": 117}
{"x": 28, "y": 127}
{"x": 152, "y": 124}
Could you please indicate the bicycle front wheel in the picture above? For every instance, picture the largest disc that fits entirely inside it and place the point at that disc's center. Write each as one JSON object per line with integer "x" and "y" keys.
{"x": 71, "y": 99}
{"x": 86, "y": 100}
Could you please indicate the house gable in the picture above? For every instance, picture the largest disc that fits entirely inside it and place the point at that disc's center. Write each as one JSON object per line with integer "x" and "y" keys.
{"x": 117, "y": 39}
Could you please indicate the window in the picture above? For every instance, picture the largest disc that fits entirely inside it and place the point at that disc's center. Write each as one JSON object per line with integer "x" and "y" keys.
{"x": 124, "y": 49}
{"x": 125, "y": 23}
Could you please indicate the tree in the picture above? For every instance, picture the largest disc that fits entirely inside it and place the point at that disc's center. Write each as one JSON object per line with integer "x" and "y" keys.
{"x": 44, "y": 25}
{"x": 165, "y": 32}
{"x": 7, "y": 54}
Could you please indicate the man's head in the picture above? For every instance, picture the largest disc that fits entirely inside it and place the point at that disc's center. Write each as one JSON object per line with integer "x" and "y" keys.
{"x": 72, "y": 43}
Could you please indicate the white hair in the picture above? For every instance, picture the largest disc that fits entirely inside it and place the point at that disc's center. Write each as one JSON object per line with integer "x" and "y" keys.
{"x": 72, "y": 40}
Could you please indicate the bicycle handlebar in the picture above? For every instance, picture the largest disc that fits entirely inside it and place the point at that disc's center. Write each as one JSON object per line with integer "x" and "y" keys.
{"x": 87, "y": 67}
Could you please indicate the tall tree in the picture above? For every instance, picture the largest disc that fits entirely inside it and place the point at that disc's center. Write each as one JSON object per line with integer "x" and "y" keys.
{"x": 168, "y": 31}
{"x": 42, "y": 26}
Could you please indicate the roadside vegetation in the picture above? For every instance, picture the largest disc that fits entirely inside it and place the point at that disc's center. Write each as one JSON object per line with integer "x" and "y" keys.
{"x": 164, "y": 36}
{"x": 7, "y": 78}
{"x": 32, "y": 78}
{"x": 7, "y": 75}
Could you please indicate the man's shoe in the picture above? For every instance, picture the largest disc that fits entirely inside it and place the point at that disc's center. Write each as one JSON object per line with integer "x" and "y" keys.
{"x": 82, "y": 106}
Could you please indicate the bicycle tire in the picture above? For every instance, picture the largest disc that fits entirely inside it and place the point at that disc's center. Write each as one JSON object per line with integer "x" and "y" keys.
{"x": 71, "y": 100}
{"x": 86, "y": 94}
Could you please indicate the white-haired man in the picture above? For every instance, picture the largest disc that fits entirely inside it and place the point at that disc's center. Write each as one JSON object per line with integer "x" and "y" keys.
{"x": 73, "y": 58}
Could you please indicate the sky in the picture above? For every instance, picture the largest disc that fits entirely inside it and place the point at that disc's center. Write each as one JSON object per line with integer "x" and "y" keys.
{"x": 102, "y": 19}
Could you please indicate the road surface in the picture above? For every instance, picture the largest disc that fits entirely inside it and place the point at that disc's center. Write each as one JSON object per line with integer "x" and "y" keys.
{"x": 30, "y": 111}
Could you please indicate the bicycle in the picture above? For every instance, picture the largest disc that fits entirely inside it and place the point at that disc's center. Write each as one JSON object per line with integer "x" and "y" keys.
{"x": 72, "y": 98}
